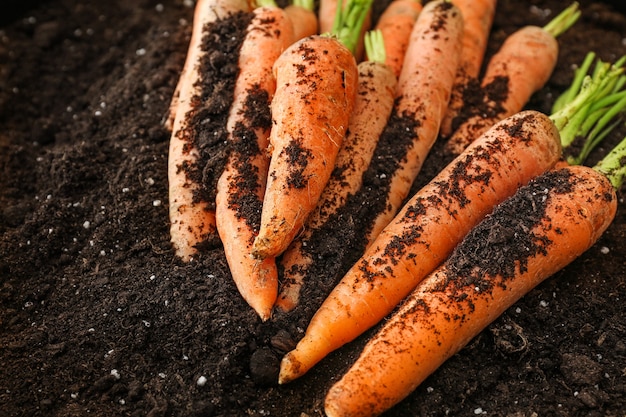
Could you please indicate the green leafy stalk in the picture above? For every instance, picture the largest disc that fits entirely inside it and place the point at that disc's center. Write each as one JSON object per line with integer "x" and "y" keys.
{"x": 577, "y": 83}
{"x": 349, "y": 22}
{"x": 563, "y": 21}
{"x": 375, "y": 46}
{"x": 591, "y": 107}
{"x": 613, "y": 165}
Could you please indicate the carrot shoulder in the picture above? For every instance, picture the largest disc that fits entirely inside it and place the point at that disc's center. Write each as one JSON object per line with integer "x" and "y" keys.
{"x": 478, "y": 18}
{"x": 423, "y": 92}
{"x": 552, "y": 221}
{"x": 374, "y": 100}
{"x": 241, "y": 186}
{"x": 425, "y": 231}
{"x": 522, "y": 66}
{"x": 192, "y": 220}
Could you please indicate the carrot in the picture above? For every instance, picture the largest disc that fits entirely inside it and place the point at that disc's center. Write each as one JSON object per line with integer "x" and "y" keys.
{"x": 374, "y": 100}
{"x": 302, "y": 14}
{"x": 478, "y": 18}
{"x": 316, "y": 89}
{"x": 241, "y": 186}
{"x": 205, "y": 12}
{"x": 522, "y": 65}
{"x": 423, "y": 92}
{"x": 528, "y": 238}
{"x": 191, "y": 221}
{"x": 425, "y": 231}
{"x": 396, "y": 23}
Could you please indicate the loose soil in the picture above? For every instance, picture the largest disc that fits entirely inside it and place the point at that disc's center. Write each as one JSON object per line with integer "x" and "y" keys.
{"x": 97, "y": 315}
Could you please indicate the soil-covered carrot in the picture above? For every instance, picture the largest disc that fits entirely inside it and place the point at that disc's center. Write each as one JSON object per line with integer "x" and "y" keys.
{"x": 205, "y": 12}
{"x": 478, "y": 18}
{"x": 528, "y": 238}
{"x": 396, "y": 24}
{"x": 192, "y": 218}
{"x": 241, "y": 186}
{"x": 374, "y": 100}
{"x": 425, "y": 231}
{"x": 522, "y": 65}
{"x": 423, "y": 91}
{"x": 316, "y": 89}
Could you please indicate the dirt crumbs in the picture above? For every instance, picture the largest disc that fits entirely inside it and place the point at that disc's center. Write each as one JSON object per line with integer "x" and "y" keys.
{"x": 97, "y": 315}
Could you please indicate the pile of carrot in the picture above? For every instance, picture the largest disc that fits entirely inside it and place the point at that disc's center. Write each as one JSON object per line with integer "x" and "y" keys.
{"x": 322, "y": 94}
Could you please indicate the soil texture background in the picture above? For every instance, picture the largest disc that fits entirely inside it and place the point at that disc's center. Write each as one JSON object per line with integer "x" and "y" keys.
{"x": 97, "y": 315}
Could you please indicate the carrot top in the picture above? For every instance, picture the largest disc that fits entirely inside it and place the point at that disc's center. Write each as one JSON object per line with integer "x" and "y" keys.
{"x": 349, "y": 22}
{"x": 375, "y": 46}
{"x": 563, "y": 21}
{"x": 590, "y": 108}
{"x": 613, "y": 165}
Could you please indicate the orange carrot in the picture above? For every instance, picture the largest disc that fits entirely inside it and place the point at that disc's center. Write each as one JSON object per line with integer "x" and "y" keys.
{"x": 192, "y": 220}
{"x": 522, "y": 66}
{"x": 374, "y": 100}
{"x": 317, "y": 81}
{"x": 396, "y": 23}
{"x": 423, "y": 92}
{"x": 425, "y": 231}
{"x": 304, "y": 18}
{"x": 242, "y": 184}
{"x": 528, "y": 238}
{"x": 477, "y": 18}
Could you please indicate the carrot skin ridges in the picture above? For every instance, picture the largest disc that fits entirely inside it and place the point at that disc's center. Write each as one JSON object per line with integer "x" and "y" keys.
{"x": 522, "y": 66}
{"x": 241, "y": 186}
{"x": 478, "y": 19}
{"x": 423, "y": 92}
{"x": 374, "y": 100}
{"x": 569, "y": 209}
{"x": 191, "y": 221}
{"x": 425, "y": 231}
{"x": 315, "y": 93}
{"x": 396, "y": 23}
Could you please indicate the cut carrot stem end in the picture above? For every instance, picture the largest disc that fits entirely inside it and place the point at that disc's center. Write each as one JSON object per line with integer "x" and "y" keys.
{"x": 375, "y": 46}
{"x": 563, "y": 21}
{"x": 613, "y": 165}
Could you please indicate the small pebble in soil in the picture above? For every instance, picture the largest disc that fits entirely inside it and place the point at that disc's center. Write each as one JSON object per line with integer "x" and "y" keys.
{"x": 264, "y": 366}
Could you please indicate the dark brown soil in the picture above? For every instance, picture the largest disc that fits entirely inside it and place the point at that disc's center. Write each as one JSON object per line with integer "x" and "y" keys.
{"x": 97, "y": 315}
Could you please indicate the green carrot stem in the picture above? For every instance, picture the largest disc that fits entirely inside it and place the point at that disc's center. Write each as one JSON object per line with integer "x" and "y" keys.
{"x": 593, "y": 89}
{"x": 375, "y": 46}
{"x": 579, "y": 75}
{"x": 613, "y": 165}
{"x": 563, "y": 21}
{"x": 349, "y": 22}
